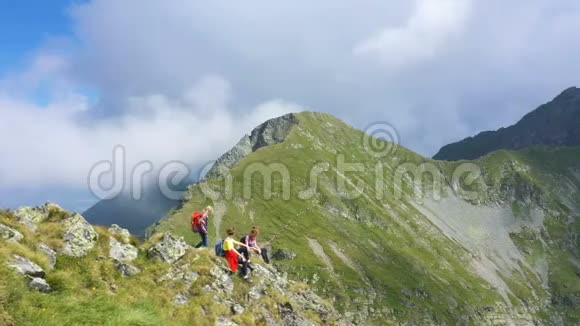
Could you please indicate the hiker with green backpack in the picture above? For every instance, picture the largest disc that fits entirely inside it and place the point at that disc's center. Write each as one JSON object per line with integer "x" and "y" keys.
{"x": 199, "y": 223}
{"x": 227, "y": 248}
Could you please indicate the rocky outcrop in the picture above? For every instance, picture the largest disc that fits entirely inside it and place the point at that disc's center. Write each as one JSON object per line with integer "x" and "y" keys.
{"x": 39, "y": 284}
{"x": 9, "y": 234}
{"x": 31, "y": 216}
{"x": 26, "y": 267}
{"x": 122, "y": 234}
{"x": 49, "y": 253}
{"x": 127, "y": 270}
{"x": 266, "y": 281}
{"x": 283, "y": 254}
{"x": 190, "y": 275}
{"x": 169, "y": 249}
{"x": 180, "y": 299}
{"x": 121, "y": 251}
{"x": 181, "y": 274}
{"x": 34, "y": 273}
{"x": 79, "y": 237}
{"x": 291, "y": 318}
{"x": 222, "y": 283}
{"x": 222, "y": 321}
{"x": 271, "y": 132}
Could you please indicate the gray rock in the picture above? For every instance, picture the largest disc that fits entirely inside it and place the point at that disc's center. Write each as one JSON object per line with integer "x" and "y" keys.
{"x": 26, "y": 267}
{"x": 39, "y": 284}
{"x": 122, "y": 252}
{"x": 9, "y": 234}
{"x": 37, "y": 214}
{"x": 126, "y": 270}
{"x": 169, "y": 249}
{"x": 123, "y": 234}
{"x": 256, "y": 292}
{"x": 28, "y": 224}
{"x": 180, "y": 274}
{"x": 49, "y": 253}
{"x": 291, "y": 318}
{"x": 237, "y": 309}
{"x": 222, "y": 281}
{"x": 308, "y": 300}
{"x": 271, "y": 132}
{"x": 283, "y": 254}
{"x": 79, "y": 237}
{"x": 223, "y": 321}
{"x": 180, "y": 299}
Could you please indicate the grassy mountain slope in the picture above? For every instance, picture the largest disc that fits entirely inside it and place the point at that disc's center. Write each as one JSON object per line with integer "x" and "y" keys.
{"x": 90, "y": 290}
{"x": 556, "y": 123}
{"x": 406, "y": 258}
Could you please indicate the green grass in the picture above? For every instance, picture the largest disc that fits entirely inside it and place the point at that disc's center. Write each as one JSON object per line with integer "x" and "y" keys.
{"x": 414, "y": 270}
{"x": 90, "y": 291}
{"x": 410, "y": 255}
{"x": 402, "y": 261}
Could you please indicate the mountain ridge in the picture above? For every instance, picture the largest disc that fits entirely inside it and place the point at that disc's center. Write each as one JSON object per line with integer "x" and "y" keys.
{"x": 58, "y": 269}
{"x": 496, "y": 253}
{"x": 386, "y": 239}
{"x": 556, "y": 123}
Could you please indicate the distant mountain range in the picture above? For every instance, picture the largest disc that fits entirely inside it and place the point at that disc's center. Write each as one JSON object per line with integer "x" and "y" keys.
{"x": 134, "y": 215}
{"x": 556, "y": 123}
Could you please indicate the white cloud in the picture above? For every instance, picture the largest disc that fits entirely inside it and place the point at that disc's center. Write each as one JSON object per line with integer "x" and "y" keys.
{"x": 422, "y": 37}
{"x": 462, "y": 66}
{"x": 50, "y": 146}
{"x": 45, "y": 66}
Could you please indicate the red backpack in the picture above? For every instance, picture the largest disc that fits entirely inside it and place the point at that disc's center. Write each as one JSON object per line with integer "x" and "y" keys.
{"x": 196, "y": 221}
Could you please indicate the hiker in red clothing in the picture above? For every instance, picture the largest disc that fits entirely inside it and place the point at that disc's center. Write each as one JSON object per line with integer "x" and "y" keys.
{"x": 199, "y": 225}
{"x": 233, "y": 256}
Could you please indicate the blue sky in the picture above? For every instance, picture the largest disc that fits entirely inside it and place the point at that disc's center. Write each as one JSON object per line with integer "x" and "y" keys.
{"x": 26, "y": 24}
{"x": 78, "y": 78}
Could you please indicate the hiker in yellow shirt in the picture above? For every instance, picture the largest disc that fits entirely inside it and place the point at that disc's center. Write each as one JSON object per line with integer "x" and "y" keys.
{"x": 233, "y": 256}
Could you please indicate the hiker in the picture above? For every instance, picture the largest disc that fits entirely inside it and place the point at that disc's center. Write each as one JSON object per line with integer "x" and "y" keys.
{"x": 199, "y": 224}
{"x": 233, "y": 256}
{"x": 251, "y": 243}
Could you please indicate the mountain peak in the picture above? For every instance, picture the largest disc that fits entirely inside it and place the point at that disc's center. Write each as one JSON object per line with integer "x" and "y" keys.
{"x": 273, "y": 131}
{"x": 555, "y": 123}
{"x": 571, "y": 91}
{"x": 569, "y": 99}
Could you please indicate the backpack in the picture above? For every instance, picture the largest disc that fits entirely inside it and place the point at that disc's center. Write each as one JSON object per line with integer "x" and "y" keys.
{"x": 196, "y": 221}
{"x": 219, "y": 248}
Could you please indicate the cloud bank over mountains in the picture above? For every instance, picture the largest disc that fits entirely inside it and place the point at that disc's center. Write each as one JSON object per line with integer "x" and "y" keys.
{"x": 184, "y": 80}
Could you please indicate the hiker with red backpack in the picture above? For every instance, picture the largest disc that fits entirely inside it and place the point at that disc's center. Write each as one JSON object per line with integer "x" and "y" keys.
{"x": 199, "y": 225}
